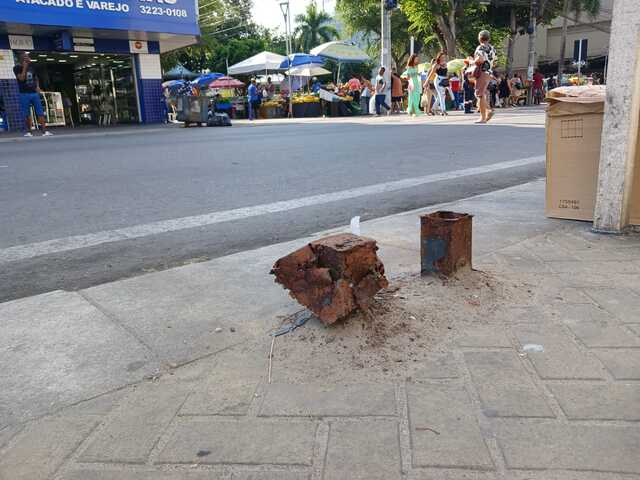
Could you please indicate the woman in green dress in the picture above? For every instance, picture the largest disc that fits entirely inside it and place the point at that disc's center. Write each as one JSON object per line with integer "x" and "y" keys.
{"x": 415, "y": 85}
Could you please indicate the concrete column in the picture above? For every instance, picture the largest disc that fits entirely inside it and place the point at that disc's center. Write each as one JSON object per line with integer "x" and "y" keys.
{"x": 9, "y": 91}
{"x": 622, "y": 115}
{"x": 149, "y": 87}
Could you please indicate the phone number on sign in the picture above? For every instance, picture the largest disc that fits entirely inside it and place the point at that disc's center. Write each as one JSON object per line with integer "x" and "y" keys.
{"x": 169, "y": 12}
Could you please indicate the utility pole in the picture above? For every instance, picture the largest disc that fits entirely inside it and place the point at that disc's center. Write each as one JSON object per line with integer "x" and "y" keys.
{"x": 286, "y": 12}
{"x": 385, "y": 50}
{"x": 533, "y": 15}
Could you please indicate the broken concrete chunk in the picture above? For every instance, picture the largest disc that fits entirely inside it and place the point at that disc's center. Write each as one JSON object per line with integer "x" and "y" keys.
{"x": 333, "y": 276}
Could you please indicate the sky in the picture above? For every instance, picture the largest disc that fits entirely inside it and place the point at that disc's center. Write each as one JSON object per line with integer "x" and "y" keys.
{"x": 268, "y": 13}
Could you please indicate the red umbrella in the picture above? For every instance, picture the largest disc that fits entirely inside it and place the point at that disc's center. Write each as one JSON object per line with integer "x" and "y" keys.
{"x": 226, "y": 82}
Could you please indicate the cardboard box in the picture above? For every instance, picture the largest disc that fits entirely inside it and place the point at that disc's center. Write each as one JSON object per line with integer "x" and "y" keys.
{"x": 574, "y": 130}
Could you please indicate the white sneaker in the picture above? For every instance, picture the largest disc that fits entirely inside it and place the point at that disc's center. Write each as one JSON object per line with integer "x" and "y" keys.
{"x": 47, "y": 134}
{"x": 28, "y": 134}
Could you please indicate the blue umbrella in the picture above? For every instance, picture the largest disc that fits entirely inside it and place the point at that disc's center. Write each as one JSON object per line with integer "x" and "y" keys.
{"x": 180, "y": 71}
{"x": 203, "y": 81}
{"x": 300, "y": 59}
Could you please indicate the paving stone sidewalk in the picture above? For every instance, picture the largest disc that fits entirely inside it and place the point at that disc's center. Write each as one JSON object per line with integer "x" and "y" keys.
{"x": 548, "y": 391}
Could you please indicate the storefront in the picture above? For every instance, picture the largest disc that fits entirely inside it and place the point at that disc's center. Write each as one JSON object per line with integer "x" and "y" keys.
{"x": 98, "y": 61}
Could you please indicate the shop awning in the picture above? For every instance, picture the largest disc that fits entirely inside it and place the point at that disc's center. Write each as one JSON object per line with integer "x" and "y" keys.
{"x": 342, "y": 52}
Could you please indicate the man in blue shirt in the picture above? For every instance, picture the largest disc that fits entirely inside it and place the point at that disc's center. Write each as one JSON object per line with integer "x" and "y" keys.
{"x": 315, "y": 86}
{"x": 254, "y": 99}
{"x": 29, "y": 91}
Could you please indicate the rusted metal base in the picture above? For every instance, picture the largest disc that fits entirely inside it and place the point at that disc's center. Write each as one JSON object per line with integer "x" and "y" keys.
{"x": 445, "y": 242}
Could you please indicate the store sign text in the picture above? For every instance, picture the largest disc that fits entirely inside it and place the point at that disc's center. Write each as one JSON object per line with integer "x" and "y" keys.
{"x": 90, "y": 4}
{"x": 164, "y": 16}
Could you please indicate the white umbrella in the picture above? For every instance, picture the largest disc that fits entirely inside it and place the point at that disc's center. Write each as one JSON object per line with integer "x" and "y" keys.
{"x": 308, "y": 71}
{"x": 276, "y": 78}
{"x": 262, "y": 62}
{"x": 341, "y": 52}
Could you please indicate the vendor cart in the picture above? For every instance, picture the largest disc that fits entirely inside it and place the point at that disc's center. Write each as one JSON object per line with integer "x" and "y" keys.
{"x": 192, "y": 109}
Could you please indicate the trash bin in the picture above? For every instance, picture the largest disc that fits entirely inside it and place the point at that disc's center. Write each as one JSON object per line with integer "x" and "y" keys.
{"x": 192, "y": 109}
{"x": 574, "y": 129}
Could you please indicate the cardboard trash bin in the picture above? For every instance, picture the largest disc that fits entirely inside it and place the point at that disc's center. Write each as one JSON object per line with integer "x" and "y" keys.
{"x": 574, "y": 131}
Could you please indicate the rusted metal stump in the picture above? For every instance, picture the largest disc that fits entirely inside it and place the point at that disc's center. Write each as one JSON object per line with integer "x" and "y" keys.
{"x": 445, "y": 242}
{"x": 333, "y": 276}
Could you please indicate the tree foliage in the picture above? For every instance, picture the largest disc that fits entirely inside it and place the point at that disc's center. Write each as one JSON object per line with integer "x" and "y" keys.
{"x": 228, "y": 36}
{"x": 314, "y": 28}
{"x": 362, "y": 18}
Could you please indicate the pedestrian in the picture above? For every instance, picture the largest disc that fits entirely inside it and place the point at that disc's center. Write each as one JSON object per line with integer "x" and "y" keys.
{"x": 428, "y": 89}
{"x": 315, "y": 85}
{"x": 415, "y": 86}
{"x": 254, "y": 99}
{"x": 381, "y": 93}
{"x": 269, "y": 89}
{"x": 456, "y": 89}
{"x": 493, "y": 92}
{"x": 504, "y": 91}
{"x": 484, "y": 59}
{"x": 365, "y": 96}
{"x": 551, "y": 83}
{"x": 439, "y": 74}
{"x": 354, "y": 88}
{"x": 397, "y": 94}
{"x": 29, "y": 92}
{"x": 468, "y": 88}
{"x": 538, "y": 87}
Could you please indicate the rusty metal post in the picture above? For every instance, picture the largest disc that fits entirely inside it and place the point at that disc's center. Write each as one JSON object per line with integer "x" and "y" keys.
{"x": 445, "y": 242}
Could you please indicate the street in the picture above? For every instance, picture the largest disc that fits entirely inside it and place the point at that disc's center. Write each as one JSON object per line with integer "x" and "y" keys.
{"x": 82, "y": 210}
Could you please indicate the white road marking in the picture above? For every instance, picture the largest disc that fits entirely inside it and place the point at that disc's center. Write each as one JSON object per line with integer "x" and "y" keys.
{"x": 58, "y": 245}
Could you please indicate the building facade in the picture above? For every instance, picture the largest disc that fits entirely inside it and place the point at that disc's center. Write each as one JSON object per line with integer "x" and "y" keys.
{"x": 586, "y": 36}
{"x": 98, "y": 61}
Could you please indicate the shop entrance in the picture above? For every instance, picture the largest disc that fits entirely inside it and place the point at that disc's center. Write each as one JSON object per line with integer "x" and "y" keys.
{"x": 87, "y": 89}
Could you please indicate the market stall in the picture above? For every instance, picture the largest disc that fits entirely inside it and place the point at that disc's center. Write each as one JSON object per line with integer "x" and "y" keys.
{"x": 229, "y": 97}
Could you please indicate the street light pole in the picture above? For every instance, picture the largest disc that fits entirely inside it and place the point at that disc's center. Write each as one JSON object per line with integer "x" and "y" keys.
{"x": 286, "y": 12}
{"x": 385, "y": 50}
{"x": 533, "y": 15}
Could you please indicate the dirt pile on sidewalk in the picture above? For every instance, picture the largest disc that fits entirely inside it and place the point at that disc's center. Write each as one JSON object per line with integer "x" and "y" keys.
{"x": 406, "y": 323}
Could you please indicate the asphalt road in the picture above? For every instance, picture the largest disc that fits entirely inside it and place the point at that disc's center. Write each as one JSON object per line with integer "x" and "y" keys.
{"x": 52, "y": 189}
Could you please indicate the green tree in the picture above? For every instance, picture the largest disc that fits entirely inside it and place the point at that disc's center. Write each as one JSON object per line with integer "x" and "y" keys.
{"x": 228, "y": 36}
{"x": 362, "y": 19}
{"x": 314, "y": 27}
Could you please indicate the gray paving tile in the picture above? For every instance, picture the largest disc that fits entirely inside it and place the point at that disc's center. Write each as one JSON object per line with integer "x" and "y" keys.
{"x": 504, "y": 386}
{"x": 437, "y": 365}
{"x": 486, "y": 335}
{"x": 320, "y": 400}
{"x": 622, "y": 302}
{"x": 624, "y": 364}
{"x": 561, "y": 358}
{"x": 226, "y": 399}
{"x": 136, "y": 425}
{"x": 551, "y": 445}
{"x": 603, "y": 334}
{"x": 247, "y": 441}
{"x": 270, "y": 475}
{"x": 39, "y": 450}
{"x": 598, "y": 401}
{"x": 363, "y": 451}
{"x": 453, "y": 474}
{"x": 58, "y": 349}
{"x": 86, "y": 474}
{"x": 444, "y": 429}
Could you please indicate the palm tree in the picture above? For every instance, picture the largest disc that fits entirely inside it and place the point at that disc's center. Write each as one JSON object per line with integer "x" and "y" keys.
{"x": 574, "y": 7}
{"x": 313, "y": 28}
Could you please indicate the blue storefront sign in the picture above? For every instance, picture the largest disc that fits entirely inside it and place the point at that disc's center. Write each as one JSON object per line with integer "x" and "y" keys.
{"x": 177, "y": 17}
